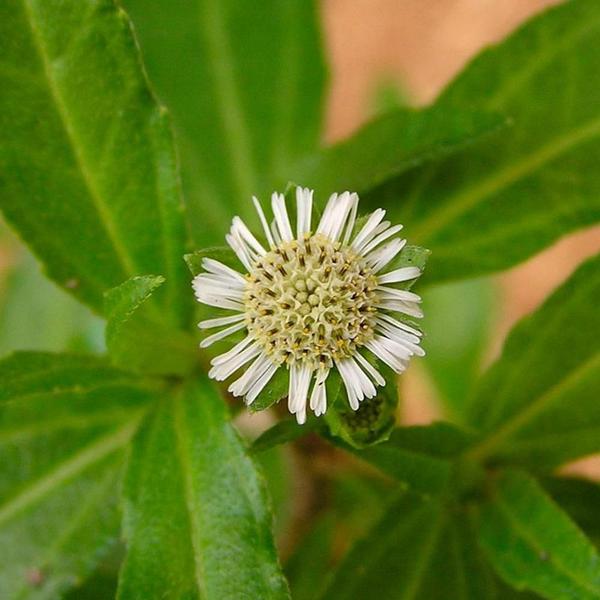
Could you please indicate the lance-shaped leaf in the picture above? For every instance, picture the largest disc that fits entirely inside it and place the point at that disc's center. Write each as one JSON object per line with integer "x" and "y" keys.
{"x": 136, "y": 340}
{"x": 538, "y": 404}
{"x": 196, "y": 519}
{"x": 244, "y": 82}
{"x": 87, "y": 166}
{"x": 508, "y": 197}
{"x": 533, "y": 545}
{"x": 420, "y": 549}
{"x": 64, "y": 422}
{"x": 391, "y": 144}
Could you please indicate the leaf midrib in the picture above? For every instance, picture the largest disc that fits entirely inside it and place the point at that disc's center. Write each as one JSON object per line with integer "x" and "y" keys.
{"x": 182, "y": 450}
{"x": 71, "y": 422}
{"x": 88, "y": 506}
{"x": 511, "y": 173}
{"x": 78, "y": 463}
{"x": 127, "y": 264}
{"x": 533, "y": 409}
{"x": 529, "y": 538}
{"x": 425, "y": 554}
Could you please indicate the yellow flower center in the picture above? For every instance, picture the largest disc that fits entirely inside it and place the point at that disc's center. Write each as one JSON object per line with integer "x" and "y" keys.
{"x": 311, "y": 301}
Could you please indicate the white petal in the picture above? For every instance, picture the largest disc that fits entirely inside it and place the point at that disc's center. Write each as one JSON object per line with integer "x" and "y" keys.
{"x": 380, "y": 238}
{"x": 229, "y": 362}
{"x": 368, "y": 228}
{"x": 381, "y": 350}
{"x": 351, "y": 219}
{"x": 240, "y": 251}
{"x": 281, "y": 217}
{"x": 336, "y": 214}
{"x": 247, "y": 236}
{"x": 408, "y": 308}
{"x": 298, "y": 391}
{"x": 399, "y": 324}
{"x": 358, "y": 385}
{"x": 222, "y": 371}
{"x": 220, "y": 302}
{"x": 397, "y": 332}
{"x": 401, "y": 274}
{"x": 222, "y": 280}
{"x": 381, "y": 257}
{"x": 393, "y": 293}
{"x": 325, "y": 222}
{"x": 400, "y": 337}
{"x": 260, "y": 383}
{"x": 304, "y": 200}
{"x": 218, "y": 322}
{"x": 218, "y": 268}
{"x": 215, "y": 337}
{"x": 232, "y": 353}
{"x": 318, "y": 397}
{"x": 251, "y": 376}
{"x": 263, "y": 221}
{"x": 370, "y": 369}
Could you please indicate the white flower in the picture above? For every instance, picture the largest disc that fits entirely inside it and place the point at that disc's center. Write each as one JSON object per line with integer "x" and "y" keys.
{"x": 311, "y": 301}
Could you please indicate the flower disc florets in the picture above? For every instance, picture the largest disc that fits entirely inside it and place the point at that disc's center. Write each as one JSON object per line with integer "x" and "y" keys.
{"x": 311, "y": 301}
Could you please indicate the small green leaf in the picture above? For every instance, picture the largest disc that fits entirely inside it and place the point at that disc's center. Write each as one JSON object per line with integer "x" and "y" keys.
{"x": 89, "y": 177}
{"x": 389, "y": 145}
{"x": 136, "y": 340}
{"x": 538, "y": 404}
{"x": 533, "y": 545}
{"x": 196, "y": 519}
{"x": 420, "y": 549}
{"x": 64, "y": 423}
{"x": 506, "y": 198}
{"x": 245, "y": 83}
{"x": 418, "y": 456}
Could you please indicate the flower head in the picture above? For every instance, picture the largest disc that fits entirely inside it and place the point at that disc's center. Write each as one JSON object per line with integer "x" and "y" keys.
{"x": 312, "y": 301}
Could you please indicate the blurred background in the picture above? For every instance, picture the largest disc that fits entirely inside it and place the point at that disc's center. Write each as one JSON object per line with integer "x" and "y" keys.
{"x": 381, "y": 52}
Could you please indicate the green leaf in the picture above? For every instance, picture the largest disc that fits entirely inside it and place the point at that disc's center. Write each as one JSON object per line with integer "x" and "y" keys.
{"x": 244, "y": 81}
{"x": 508, "y": 197}
{"x": 389, "y": 145}
{"x": 458, "y": 324}
{"x": 64, "y": 423}
{"x": 135, "y": 340}
{"x": 420, "y": 549}
{"x": 580, "y": 498}
{"x": 539, "y": 403}
{"x": 88, "y": 172}
{"x": 534, "y": 545}
{"x": 419, "y": 456}
{"x": 196, "y": 520}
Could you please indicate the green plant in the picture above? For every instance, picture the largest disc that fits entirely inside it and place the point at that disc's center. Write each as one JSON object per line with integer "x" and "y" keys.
{"x": 139, "y": 444}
